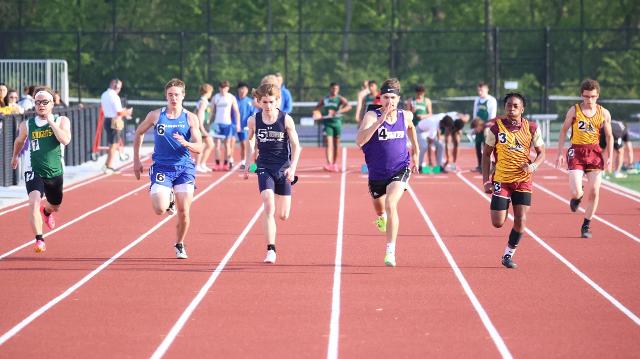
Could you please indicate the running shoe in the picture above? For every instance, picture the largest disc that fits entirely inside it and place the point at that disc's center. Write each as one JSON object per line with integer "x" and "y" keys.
{"x": 171, "y": 210}
{"x": 508, "y": 262}
{"x": 201, "y": 169}
{"x": 328, "y": 167}
{"x": 585, "y": 232}
{"x": 574, "y": 204}
{"x": 181, "y": 252}
{"x": 336, "y": 168}
{"x": 271, "y": 256}
{"x": 48, "y": 220}
{"x": 40, "y": 246}
{"x": 390, "y": 260}
{"x": 619, "y": 174}
{"x": 225, "y": 167}
{"x": 381, "y": 223}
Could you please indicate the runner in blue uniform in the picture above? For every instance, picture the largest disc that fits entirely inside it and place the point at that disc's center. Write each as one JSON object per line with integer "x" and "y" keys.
{"x": 245, "y": 106}
{"x": 278, "y": 151}
{"x": 383, "y": 139}
{"x": 176, "y": 135}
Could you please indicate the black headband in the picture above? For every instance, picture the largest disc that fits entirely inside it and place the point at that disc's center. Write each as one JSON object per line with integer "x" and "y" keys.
{"x": 386, "y": 89}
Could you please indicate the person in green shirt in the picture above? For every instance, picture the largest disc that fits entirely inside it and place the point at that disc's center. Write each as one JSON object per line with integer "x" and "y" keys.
{"x": 330, "y": 109}
{"x": 43, "y": 169}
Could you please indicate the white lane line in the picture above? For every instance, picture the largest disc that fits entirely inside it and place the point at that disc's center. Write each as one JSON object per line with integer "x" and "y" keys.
{"x": 484, "y": 317}
{"x": 182, "y": 320}
{"x": 33, "y": 316}
{"x": 67, "y": 224}
{"x": 556, "y": 196}
{"x": 609, "y": 186}
{"x": 334, "y": 324}
{"x": 72, "y": 187}
{"x": 566, "y": 262}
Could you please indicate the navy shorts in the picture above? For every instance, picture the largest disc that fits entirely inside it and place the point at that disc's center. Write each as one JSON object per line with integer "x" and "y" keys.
{"x": 169, "y": 176}
{"x": 274, "y": 180}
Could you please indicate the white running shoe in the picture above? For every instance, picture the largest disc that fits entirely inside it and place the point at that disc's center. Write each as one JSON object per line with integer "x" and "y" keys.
{"x": 181, "y": 252}
{"x": 201, "y": 169}
{"x": 271, "y": 256}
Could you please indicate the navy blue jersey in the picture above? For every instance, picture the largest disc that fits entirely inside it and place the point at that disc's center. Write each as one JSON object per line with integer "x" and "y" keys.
{"x": 274, "y": 150}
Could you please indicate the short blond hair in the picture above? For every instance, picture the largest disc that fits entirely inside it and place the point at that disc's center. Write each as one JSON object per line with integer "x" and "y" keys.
{"x": 269, "y": 79}
{"x": 205, "y": 88}
{"x": 266, "y": 89}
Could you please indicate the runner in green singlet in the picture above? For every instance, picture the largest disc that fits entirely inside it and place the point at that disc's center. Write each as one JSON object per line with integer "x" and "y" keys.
{"x": 43, "y": 169}
{"x": 330, "y": 109}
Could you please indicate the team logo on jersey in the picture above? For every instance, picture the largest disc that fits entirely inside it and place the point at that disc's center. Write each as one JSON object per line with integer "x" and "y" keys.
{"x": 384, "y": 134}
{"x": 265, "y": 135}
{"x": 585, "y": 126}
{"x": 516, "y": 146}
{"x": 160, "y": 129}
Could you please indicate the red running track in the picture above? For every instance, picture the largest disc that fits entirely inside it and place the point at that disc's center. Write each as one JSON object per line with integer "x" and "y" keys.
{"x": 77, "y": 300}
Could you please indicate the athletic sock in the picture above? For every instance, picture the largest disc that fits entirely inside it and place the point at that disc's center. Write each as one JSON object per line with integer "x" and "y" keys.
{"x": 271, "y": 247}
{"x": 225, "y": 162}
{"x": 391, "y": 248}
{"x": 39, "y": 237}
{"x": 243, "y": 162}
{"x": 46, "y": 213}
{"x": 586, "y": 222}
{"x": 510, "y": 251}
{"x": 383, "y": 215}
{"x": 217, "y": 162}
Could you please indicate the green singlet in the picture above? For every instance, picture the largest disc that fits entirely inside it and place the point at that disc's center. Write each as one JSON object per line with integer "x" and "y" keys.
{"x": 45, "y": 152}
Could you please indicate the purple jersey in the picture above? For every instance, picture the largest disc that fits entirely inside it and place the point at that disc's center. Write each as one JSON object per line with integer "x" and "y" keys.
{"x": 386, "y": 151}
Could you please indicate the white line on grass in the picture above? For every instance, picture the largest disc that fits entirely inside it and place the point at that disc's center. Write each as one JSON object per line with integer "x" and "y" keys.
{"x": 556, "y": 196}
{"x": 484, "y": 317}
{"x": 566, "y": 262}
{"x": 18, "y": 327}
{"x": 334, "y": 324}
{"x": 67, "y": 224}
{"x": 177, "y": 327}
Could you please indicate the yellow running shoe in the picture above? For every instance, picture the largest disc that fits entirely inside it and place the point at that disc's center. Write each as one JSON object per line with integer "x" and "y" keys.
{"x": 390, "y": 260}
{"x": 381, "y": 223}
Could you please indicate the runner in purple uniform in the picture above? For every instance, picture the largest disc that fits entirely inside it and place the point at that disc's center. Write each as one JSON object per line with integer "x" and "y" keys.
{"x": 383, "y": 139}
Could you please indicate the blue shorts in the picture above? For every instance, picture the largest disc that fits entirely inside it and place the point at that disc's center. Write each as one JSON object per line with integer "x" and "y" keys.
{"x": 274, "y": 180}
{"x": 221, "y": 131}
{"x": 242, "y": 135}
{"x": 169, "y": 176}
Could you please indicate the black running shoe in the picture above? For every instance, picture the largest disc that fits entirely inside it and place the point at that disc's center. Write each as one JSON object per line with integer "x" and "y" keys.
{"x": 574, "y": 204}
{"x": 585, "y": 232}
{"x": 507, "y": 262}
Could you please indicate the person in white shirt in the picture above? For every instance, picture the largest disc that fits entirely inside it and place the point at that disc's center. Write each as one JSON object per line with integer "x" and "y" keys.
{"x": 485, "y": 108}
{"x": 113, "y": 110}
{"x": 431, "y": 133}
{"x": 222, "y": 129}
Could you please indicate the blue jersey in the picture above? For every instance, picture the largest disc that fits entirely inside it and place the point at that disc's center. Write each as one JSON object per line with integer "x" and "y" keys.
{"x": 167, "y": 150}
{"x": 274, "y": 150}
{"x": 245, "y": 106}
{"x": 386, "y": 151}
{"x": 286, "y": 102}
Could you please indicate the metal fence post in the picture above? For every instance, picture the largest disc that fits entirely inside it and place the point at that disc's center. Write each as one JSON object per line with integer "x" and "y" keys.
{"x": 496, "y": 61}
{"x": 181, "y": 39}
{"x": 78, "y": 66}
{"x": 547, "y": 70}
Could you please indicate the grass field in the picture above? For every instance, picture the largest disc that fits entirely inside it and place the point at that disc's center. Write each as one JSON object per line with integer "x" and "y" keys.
{"x": 632, "y": 181}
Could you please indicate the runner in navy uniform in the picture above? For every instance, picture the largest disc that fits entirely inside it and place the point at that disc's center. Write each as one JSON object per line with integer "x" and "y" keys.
{"x": 278, "y": 151}
{"x": 383, "y": 139}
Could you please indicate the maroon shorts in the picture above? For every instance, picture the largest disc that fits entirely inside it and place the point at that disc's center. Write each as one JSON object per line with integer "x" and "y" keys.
{"x": 585, "y": 158}
{"x": 503, "y": 189}
{"x": 519, "y": 193}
